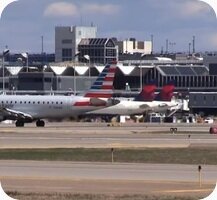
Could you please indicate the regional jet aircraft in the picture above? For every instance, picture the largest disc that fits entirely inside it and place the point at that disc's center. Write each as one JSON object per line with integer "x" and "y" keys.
{"x": 145, "y": 102}
{"x": 27, "y": 108}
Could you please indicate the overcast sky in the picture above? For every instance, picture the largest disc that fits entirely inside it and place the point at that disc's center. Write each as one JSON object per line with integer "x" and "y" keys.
{"x": 25, "y": 21}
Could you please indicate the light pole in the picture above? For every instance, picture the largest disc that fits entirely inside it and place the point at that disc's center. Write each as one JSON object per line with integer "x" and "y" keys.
{"x": 193, "y": 44}
{"x": 152, "y": 44}
{"x": 189, "y": 48}
{"x": 140, "y": 77}
{"x": 74, "y": 66}
{"x": 167, "y": 42}
{"x": 5, "y": 52}
{"x": 42, "y": 44}
{"x": 74, "y": 82}
{"x": 26, "y": 56}
{"x": 140, "y": 71}
{"x": 172, "y": 44}
{"x": 87, "y": 57}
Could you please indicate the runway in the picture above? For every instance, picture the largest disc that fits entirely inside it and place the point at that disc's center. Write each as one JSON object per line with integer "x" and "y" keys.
{"x": 92, "y": 135}
{"x": 105, "y": 178}
{"x": 71, "y": 175}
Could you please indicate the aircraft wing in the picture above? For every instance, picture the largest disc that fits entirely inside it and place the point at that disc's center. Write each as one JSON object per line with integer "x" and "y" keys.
{"x": 15, "y": 114}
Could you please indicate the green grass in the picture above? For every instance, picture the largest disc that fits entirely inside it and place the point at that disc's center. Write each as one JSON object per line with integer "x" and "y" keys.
{"x": 150, "y": 155}
{"x": 36, "y": 196}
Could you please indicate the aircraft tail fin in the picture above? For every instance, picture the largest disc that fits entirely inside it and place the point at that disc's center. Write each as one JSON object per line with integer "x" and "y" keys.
{"x": 147, "y": 93}
{"x": 166, "y": 93}
{"x": 103, "y": 86}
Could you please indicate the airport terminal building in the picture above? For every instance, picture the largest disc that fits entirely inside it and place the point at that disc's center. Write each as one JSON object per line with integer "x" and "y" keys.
{"x": 192, "y": 77}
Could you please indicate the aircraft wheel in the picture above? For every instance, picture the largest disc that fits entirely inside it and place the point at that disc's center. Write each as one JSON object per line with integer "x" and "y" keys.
{"x": 40, "y": 123}
{"x": 19, "y": 123}
{"x": 173, "y": 130}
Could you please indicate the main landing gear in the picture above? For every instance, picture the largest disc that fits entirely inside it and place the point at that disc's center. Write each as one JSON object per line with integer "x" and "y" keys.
{"x": 19, "y": 123}
{"x": 40, "y": 123}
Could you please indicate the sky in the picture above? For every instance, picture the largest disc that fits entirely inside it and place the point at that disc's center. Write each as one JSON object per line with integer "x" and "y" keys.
{"x": 25, "y": 21}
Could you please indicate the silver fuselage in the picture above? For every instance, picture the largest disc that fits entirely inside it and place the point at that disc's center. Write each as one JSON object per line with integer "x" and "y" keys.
{"x": 136, "y": 107}
{"x": 42, "y": 107}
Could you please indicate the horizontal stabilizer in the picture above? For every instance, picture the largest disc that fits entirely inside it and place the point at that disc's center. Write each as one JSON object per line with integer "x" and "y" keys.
{"x": 97, "y": 102}
{"x": 144, "y": 106}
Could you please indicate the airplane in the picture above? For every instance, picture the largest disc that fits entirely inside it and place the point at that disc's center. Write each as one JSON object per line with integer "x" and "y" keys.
{"x": 28, "y": 108}
{"x": 145, "y": 102}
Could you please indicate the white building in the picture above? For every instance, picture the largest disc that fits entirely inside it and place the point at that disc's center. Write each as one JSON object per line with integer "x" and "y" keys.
{"x": 67, "y": 39}
{"x": 132, "y": 46}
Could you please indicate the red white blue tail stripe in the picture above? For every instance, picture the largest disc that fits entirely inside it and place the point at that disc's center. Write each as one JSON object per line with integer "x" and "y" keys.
{"x": 103, "y": 86}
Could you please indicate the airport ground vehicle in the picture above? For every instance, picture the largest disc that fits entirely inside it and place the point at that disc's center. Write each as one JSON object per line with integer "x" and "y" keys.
{"x": 213, "y": 130}
{"x": 209, "y": 120}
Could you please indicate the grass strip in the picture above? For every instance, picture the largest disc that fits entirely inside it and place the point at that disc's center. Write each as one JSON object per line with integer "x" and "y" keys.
{"x": 149, "y": 155}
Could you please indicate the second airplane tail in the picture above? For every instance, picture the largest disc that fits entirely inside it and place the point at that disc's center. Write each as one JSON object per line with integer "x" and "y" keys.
{"x": 166, "y": 93}
{"x": 147, "y": 93}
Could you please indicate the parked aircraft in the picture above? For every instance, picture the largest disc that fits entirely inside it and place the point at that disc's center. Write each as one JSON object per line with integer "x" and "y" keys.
{"x": 27, "y": 108}
{"x": 145, "y": 102}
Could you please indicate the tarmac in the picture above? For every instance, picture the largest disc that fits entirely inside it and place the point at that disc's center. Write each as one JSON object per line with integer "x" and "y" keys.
{"x": 106, "y": 178}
